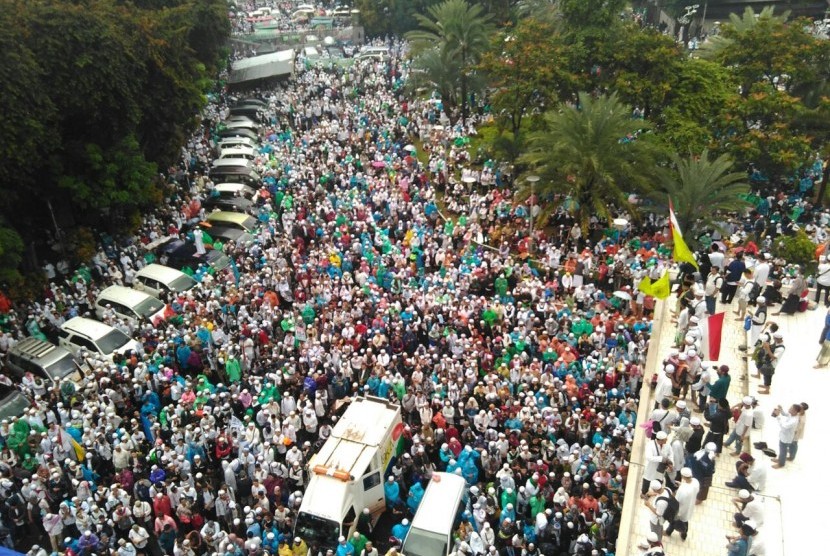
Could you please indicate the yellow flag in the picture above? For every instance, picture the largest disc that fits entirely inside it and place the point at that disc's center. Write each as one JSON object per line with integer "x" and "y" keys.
{"x": 659, "y": 289}
{"x": 80, "y": 452}
{"x": 646, "y": 286}
{"x": 680, "y": 251}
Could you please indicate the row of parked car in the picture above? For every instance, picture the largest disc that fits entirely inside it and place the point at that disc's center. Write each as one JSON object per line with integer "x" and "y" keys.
{"x": 234, "y": 197}
{"x": 52, "y": 364}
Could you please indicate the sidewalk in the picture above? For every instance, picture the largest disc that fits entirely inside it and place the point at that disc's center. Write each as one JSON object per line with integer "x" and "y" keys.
{"x": 711, "y": 520}
{"x": 800, "y": 483}
{"x": 793, "y": 505}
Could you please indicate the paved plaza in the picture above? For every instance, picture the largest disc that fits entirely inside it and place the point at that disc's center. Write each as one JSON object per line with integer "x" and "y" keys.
{"x": 792, "y": 500}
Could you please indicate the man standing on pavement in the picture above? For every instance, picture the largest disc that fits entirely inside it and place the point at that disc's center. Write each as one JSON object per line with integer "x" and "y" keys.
{"x": 657, "y": 452}
{"x": 787, "y": 422}
{"x": 761, "y": 271}
{"x": 770, "y": 357}
{"x": 657, "y": 502}
{"x": 740, "y": 431}
{"x": 734, "y": 271}
{"x": 714, "y": 283}
{"x": 698, "y": 307}
{"x": 702, "y": 464}
{"x": 823, "y": 280}
{"x": 759, "y": 319}
{"x": 686, "y": 496}
{"x": 719, "y": 390}
{"x": 664, "y": 387}
{"x": 716, "y": 258}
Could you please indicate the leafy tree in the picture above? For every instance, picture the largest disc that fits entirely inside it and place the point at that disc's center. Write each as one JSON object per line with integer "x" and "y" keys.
{"x": 587, "y": 157}
{"x": 526, "y": 69}
{"x": 644, "y": 65}
{"x": 593, "y": 31}
{"x": 390, "y": 17}
{"x": 701, "y": 190}
{"x": 434, "y": 70}
{"x": 461, "y": 31}
{"x": 116, "y": 175}
{"x": 27, "y": 114}
{"x": 778, "y": 64}
{"x": 11, "y": 254}
{"x": 758, "y": 130}
{"x": 95, "y": 95}
{"x": 741, "y": 25}
{"x": 547, "y": 11}
{"x": 768, "y": 49}
{"x": 796, "y": 249}
{"x": 699, "y": 92}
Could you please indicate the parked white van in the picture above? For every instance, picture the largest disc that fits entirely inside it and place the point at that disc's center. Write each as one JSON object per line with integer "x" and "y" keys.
{"x": 133, "y": 305}
{"x": 238, "y": 152}
{"x": 234, "y": 142}
{"x": 80, "y": 333}
{"x": 156, "y": 279}
{"x": 373, "y": 52}
{"x": 438, "y": 515}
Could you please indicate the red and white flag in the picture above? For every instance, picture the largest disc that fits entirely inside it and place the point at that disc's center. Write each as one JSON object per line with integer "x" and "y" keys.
{"x": 712, "y": 328}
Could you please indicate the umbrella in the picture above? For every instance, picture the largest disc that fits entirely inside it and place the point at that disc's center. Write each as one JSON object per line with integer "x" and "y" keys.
{"x": 570, "y": 204}
{"x": 468, "y": 179}
{"x": 622, "y": 295}
{"x": 620, "y": 223}
{"x": 409, "y": 148}
{"x": 378, "y": 164}
{"x": 328, "y": 40}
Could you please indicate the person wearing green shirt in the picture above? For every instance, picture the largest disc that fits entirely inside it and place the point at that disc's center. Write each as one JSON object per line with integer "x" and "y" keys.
{"x": 358, "y": 541}
{"x": 501, "y": 285}
{"x": 720, "y": 388}
{"x": 233, "y": 369}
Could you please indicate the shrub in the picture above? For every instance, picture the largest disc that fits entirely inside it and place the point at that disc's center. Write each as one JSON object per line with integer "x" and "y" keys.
{"x": 797, "y": 249}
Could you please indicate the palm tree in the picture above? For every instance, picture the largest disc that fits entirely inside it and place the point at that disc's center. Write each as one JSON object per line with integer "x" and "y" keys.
{"x": 741, "y": 24}
{"x": 590, "y": 158}
{"x": 433, "y": 70}
{"x": 702, "y": 190}
{"x": 461, "y": 31}
{"x": 540, "y": 10}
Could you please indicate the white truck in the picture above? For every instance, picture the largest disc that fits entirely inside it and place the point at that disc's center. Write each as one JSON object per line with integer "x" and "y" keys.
{"x": 347, "y": 474}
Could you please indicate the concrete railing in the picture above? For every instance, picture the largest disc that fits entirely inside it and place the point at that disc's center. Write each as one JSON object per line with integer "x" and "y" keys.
{"x": 627, "y": 537}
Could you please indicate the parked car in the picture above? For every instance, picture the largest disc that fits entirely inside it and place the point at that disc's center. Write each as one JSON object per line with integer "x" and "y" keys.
{"x": 237, "y": 142}
{"x": 239, "y": 132}
{"x": 12, "y": 402}
{"x": 180, "y": 254}
{"x": 83, "y": 334}
{"x": 45, "y": 361}
{"x": 136, "y": 306}
{"x": 156, "y": 279}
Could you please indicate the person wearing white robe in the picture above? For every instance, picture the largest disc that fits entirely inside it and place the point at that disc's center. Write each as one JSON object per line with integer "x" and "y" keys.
{"x": 686, "y": 496}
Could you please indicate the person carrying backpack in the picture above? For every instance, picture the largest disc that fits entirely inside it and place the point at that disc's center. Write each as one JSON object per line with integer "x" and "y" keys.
{"x": 663, "y": 506}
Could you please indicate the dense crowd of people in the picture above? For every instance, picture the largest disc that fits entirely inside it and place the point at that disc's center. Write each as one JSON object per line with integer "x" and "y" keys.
{"x": 516, "y": 360}
{"x": 355, "y": 285}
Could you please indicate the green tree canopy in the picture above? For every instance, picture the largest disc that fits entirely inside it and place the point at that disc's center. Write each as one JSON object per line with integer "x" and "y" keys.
{"x": 527, "y": 70}
{"x": 96, "y": 96}
{"x": 700, "y": 91}
{"x": 587, "y": 159}
{"x": 702, "y": 189}
{"x": 462, "y": 33}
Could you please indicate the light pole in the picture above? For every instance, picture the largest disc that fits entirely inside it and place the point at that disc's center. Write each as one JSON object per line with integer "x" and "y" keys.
{"x": 532, "y": 181}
